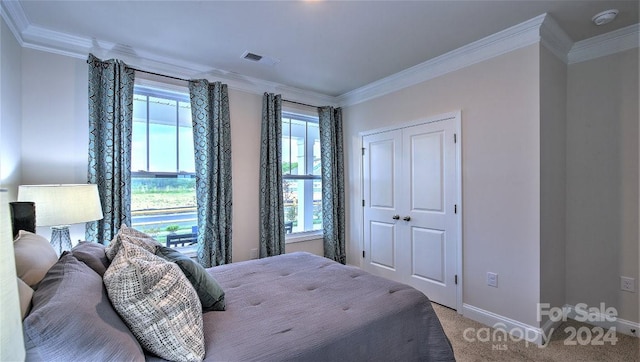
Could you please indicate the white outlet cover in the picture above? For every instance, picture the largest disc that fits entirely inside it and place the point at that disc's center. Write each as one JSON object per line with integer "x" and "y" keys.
{"x": 492, "y": 279}
{"x": 628, "y": 284}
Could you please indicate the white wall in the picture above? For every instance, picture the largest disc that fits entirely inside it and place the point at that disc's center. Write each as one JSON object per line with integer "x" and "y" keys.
{"x": 553, "y": 114}
{"x": 499, "y": 100}
{"x": 55, "y": 141}
{"x": 602, "y": 182}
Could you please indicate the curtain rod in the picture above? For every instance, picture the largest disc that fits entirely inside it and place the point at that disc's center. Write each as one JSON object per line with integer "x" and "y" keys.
{"x": 302, "y": 104}
{"x": 187, "y": 80}
{"x": 160, "y": 75}
{"x": 152, "y": 73}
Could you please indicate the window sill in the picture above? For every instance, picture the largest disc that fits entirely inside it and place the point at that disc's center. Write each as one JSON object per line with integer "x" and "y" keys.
{"x": 300, "y": 237}
{"x": 190, "y": 251}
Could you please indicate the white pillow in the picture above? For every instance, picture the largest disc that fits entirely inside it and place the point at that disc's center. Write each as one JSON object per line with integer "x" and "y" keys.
{"x": 34, "y": 257}
{"x": 25, "y": 293}
{"x": 157, "y": 302}
{"x": 133, "y": 236}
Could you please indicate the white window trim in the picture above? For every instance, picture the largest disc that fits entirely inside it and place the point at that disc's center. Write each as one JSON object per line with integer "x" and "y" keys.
{"x": 303, "y": 236}
{"x": 303, "y": 112}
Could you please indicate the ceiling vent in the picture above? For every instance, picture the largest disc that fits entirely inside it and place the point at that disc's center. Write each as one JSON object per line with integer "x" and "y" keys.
{"x": 251, "y": 56}
{"x": 259, "y": 58}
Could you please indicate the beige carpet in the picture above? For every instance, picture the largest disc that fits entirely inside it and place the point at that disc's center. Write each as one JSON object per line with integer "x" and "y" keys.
{"x": 627, "y": 348}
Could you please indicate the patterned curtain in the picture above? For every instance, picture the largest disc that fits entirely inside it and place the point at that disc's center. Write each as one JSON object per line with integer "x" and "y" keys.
{"x": 330, "y": 123}
{"x": 271, "y": 202}
{"x": 212, "y": 143}
{"x": 110, "y": 123}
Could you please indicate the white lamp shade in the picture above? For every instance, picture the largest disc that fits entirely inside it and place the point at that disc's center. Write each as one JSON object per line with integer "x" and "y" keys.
{"x": 58, "y": 205}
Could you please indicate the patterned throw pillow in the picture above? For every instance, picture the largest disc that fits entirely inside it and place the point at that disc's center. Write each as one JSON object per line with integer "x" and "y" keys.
{"x": 157, "y": 302}
{"x": 133, "y": 236}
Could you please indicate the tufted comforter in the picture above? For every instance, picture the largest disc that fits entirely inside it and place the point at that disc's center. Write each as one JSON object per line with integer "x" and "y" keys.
{"x": 301, "y": 307}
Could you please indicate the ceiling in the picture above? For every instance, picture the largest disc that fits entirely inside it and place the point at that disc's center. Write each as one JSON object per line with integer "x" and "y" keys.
{"x": 327, "y": 47}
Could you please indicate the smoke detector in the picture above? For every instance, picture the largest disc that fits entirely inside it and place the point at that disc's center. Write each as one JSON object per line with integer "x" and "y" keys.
{"x": 605, "y": 17}
{"x": 257, "y": 58}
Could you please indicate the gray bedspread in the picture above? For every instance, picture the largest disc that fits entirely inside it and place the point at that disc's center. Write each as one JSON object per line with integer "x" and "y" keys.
{"x": 301, "y": 307}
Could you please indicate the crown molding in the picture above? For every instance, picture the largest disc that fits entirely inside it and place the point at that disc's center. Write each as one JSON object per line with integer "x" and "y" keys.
{"x": 14, "y": 17}
{"x": 542, "y": 29}
{"x": 39, "y": 38}
{"x": 554, "y": 38}
{"x": 605, "y": 44}
{"x": 505, "y": 41}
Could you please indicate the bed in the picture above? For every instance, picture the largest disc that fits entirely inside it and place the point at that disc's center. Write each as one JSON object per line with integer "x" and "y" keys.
{"x": 292, "y": 307}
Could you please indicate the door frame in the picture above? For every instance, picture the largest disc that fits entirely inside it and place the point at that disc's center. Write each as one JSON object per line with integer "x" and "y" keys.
{"x": 456, "y": 116}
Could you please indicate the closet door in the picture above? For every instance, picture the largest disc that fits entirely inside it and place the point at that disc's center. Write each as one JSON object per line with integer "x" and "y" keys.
{"x": 429, "y": 185}
{"x": 410, "y": 223}
{"x": 383, "y": 203}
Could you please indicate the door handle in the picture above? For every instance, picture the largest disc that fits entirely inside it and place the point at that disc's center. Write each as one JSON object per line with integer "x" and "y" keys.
{"x": 396, "y": 217}
{"x": 406, "y": 218}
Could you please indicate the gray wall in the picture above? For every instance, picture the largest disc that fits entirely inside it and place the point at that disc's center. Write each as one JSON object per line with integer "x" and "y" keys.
{"x": 11, "y": 346}
{"x": 512, "y": 180}
{"x": 602, "y": 182}
{"x": 55, "y": 141}
{"x": 499, "y": 100}
{"x": 553, "y": 114}
{"x": 550, "y": 176}
{"x": 10, "y": 111}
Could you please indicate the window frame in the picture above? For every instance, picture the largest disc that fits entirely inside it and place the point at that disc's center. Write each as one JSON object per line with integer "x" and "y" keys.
{"x": 157, "y": 91}
{"x": 174, "y": 96}
{"x": 311, "y": 234}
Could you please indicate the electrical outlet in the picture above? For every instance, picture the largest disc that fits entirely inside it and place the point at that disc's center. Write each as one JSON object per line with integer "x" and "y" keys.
{"x": 628, "y": 284}
{"x": 492, "y": 279}
{"x": 253, "y": 254}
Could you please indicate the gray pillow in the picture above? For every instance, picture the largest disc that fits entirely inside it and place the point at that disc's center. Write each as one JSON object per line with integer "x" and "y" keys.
{"x": 72, "y": 319}
{"x": 209, "y": 291}
{"x": 92, "y": 254}
{"x": 157, "y": 302}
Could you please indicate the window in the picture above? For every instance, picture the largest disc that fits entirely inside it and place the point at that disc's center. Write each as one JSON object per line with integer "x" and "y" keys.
{"x": 301, "y": 173}
{"x": 163, "y": 184}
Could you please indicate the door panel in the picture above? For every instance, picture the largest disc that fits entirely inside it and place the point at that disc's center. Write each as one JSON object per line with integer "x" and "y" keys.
{"x": 426, "y": 178}
{"x": 381, "y": 192}
{"x": 383, "y": 244}
{"x": 428, "y": 254}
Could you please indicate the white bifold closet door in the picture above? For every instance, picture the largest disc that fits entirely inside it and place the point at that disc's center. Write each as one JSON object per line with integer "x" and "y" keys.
{"x": 410, "y": 221}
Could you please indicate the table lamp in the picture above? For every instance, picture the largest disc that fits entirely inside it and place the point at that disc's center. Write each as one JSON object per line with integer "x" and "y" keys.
{"x": 59, "y": 206}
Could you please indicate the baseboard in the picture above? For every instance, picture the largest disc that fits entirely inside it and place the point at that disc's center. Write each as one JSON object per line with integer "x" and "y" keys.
{"x": 517, "y": 330}
{"x": 599, "y": 319}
